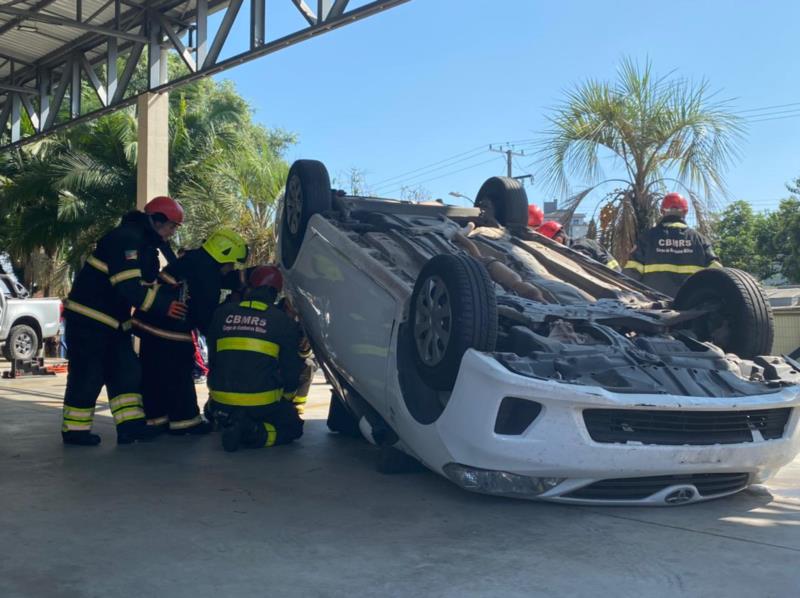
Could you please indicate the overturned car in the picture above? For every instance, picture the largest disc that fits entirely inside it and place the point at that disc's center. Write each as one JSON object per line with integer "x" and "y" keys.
{"x": 514, "y": 366}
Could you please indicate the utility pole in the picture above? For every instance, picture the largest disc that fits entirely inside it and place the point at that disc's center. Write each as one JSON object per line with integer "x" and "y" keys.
{"x": 510, "y": 153}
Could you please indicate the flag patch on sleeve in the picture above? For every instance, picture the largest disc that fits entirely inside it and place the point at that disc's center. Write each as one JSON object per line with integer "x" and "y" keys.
{"x": 131, "y": 254}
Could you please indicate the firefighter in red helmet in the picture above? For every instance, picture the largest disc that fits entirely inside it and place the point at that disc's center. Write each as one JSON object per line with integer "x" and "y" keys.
{"x": 588, "y": 247}
{"x": 116, "y": 277}
{"x": 254, "y": 367}
{"x": 535, "y": 216}
{"x": 670, "y": 252}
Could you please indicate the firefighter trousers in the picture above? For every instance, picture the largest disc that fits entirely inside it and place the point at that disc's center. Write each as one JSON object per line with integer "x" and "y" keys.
{"x": 270, "y": 425}
{"x": 306, "y": 376}
{"x": 97, "y": 358}
{"x": 167, "y": 382}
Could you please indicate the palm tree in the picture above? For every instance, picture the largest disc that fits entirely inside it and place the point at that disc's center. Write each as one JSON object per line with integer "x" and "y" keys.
{"x": 660, "y": 131}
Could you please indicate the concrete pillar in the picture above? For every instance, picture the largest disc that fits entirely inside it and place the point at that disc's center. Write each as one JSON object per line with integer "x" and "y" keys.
{"x": 152, "y": 169}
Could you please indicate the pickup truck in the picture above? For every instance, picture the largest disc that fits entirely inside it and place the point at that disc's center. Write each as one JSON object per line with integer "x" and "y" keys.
{"x": 25, "y": 322}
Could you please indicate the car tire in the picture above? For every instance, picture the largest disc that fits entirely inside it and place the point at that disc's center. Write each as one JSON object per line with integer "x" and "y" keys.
{"x": 453, "y": 308}
{"x": 22, "y": 343}
{"x": 507, "y": 199}
{"x": 308, "y": 192}
{"x": 340, "y": 419}
{"x": 741, "y": 321}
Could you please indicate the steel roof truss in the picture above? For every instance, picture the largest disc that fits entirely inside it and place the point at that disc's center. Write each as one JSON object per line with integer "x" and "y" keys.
{"x": 162, "y": 26}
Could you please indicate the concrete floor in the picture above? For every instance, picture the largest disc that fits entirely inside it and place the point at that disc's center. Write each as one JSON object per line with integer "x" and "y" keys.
{"x": 182, "y": 518}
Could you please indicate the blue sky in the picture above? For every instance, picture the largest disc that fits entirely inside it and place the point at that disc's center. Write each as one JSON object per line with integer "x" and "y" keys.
{"x": 432, "y": 79}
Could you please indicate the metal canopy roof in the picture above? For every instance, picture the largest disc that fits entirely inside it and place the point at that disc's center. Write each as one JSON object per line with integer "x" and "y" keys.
{"x": 52, "y": 49}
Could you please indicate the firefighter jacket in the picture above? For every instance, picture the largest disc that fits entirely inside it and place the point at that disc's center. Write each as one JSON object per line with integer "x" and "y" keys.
{"x": 668, "y": 254}
{"x": 200, "y": 273}
{"x": 253, "y": 355}
{"x": 594, "y": 250}
{"x": 118, "y": 276}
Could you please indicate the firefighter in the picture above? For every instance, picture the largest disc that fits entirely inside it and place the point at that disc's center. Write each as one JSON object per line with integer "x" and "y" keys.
{"x": 167, "y": 348}
{"x": 671, "y": 251}
{"x": 255, "y": 368}
{"x": 535, "y": 216}
{"x": 98, "y": 320}
{"x": 588, "y": 247}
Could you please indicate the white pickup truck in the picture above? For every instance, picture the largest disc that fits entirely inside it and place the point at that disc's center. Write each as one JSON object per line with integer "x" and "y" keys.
{"x": 25, "y": 322}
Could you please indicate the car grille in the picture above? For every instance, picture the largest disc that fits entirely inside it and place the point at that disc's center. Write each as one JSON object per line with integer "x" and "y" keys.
{"x": 684, "y": 427}
{"x": 707, "y": 484}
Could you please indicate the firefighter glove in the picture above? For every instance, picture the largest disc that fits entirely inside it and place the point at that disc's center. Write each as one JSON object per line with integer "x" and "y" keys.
{"x": 177, "y": 310}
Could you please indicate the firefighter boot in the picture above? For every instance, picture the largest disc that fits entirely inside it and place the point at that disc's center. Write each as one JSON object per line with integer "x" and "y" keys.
{"x": 80, "y": 438}
{"x": 233, "y": 432}
{"x": 135, "y": 430}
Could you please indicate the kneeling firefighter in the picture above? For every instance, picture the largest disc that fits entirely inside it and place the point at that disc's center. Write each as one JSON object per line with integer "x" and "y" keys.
{"x": 167, "y": 350}
{"x": 117, "y": 276}
{"x": 255, "y": 367}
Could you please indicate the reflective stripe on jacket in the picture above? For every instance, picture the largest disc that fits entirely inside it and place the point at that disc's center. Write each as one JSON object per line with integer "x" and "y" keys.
{"x": 204, "y": 283}
{"x": 252, "y": 354}
{"x": 113, "y": 279}
{"x": 668, "y": 254}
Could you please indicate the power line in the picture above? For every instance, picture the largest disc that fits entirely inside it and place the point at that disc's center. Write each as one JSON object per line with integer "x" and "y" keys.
{"x": 474, "y": 150}
{"x": 767, "y": 108}
{"x": 405, "y": 181}
{"x": 761, "y": 120}
{"x": 445, "y": 163}
{"x": 492, "y": 159}
{"x": 774, "y": 113}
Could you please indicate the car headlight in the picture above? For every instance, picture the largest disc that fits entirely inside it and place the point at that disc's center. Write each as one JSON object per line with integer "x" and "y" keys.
{"x": 501, "y": 483}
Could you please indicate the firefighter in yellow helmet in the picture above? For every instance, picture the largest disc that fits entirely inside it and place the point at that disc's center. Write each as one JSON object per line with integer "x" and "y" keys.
{"x": 167, "y": 350}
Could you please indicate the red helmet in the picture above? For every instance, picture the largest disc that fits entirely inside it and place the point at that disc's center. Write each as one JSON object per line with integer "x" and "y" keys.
{"x": 535, "y": 215}
{"x": 550, "y": 229}
{"x": 674, "y": 201}
{"x": 266, "y": 276}
{"x": 166, "y": 206}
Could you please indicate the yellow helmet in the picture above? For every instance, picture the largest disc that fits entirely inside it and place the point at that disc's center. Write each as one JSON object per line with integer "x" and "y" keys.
{"x": 226, "y": 247}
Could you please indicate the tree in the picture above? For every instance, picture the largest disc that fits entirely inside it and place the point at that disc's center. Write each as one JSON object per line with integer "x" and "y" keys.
{"x": 738, "y": 233}
{"x": 780, "y": 237}
{"x": 58, "y": 196}
{"x": 658, "y": 131}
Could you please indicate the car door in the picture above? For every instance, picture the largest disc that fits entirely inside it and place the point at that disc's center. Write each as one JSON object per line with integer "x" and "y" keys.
{"x": 345, "y": 310}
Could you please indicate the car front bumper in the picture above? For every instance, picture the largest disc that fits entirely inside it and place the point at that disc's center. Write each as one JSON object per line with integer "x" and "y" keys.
{"x": 557, "y": 445}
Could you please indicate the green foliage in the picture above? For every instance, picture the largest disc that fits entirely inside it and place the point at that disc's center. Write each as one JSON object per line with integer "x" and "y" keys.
{"x": 58, "y": 196}
{"x": 781, "y": 238}
{"x": 738, "y": 233}
{"x": 766, "y": 244}
{"x": 658, "y": 131}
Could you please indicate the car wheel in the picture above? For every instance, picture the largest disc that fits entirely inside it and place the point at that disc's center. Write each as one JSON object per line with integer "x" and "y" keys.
{"x": 22, "y": 343}
{"x": 506, "y": 199}
{"x": 453, "y": 308}
{"x": 308, "y": 192}
{"x": 340, "y": 419}
{"x": 741, "y": 319}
